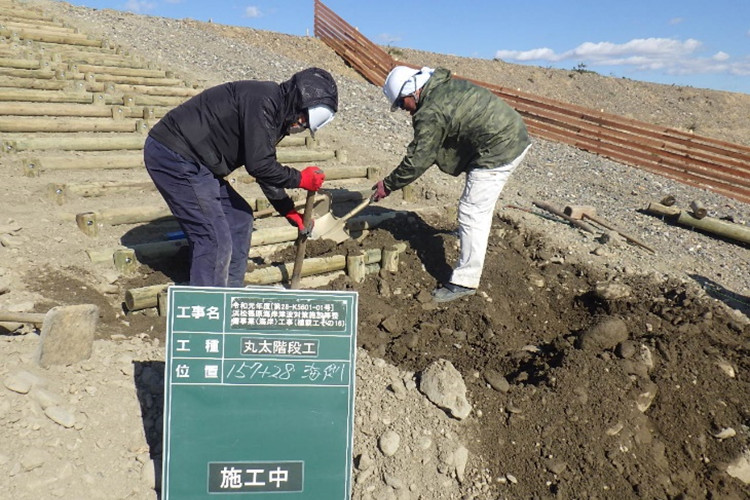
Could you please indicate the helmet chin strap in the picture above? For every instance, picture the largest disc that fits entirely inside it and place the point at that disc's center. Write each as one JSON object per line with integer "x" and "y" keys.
{"x": 417, "y": 88}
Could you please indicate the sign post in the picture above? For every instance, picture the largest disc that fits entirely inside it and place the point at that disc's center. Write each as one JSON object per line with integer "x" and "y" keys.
{"x": 259, "y": 393}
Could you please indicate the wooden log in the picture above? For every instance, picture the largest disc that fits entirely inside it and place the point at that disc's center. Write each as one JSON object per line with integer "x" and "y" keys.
{"x": 160, "y": 91}
{"x": 39, "y": 26}
{"x": 271, "y": 235}
{"x": 35, "y": 83}
{"x": 29, "y": 73}
{"x": 292, "y": 141}
{"x": 21, "y": 63}
{"x": 318, "y": 265}
{"x": 94, "y": 189}
{"x": 125, "y": 260}
{"x": 137, "y": 80}
{"x": 54, "y": 96}
{"x": 409, "y": 193}
{"x": 131, "y": 70}
{"x": 391, "y": 257}
{"x": 91, "y": 222}
{"x": 159, "y": 250}
{"x": 87, "y": 223}
{"x": 578, "y": 211}
{"x": 127, "y": 215}
{"x": 662, "y": 210}
{"x": 33, "y": 167}
{"x": 283, "y": 272}
{"x": 355, "y": 267}
{"x": 93, "y": 142}
{"x": 717, "y": 227}
{"x": 162, "y": 302}
{"x": 42, "y": 36}
{"x": 699, "y": 211}
{"x": 668, "y": 200}
{"x": 144, "y": 297}
{"x": 57, "y": 124}
{"x": 15, "y": 11}
{"x": 152, "y": 100}
{"x": 155, "y": 251}
{"x": 577, "y": 223}
{"x": 57, "y": 193}
{"x": 303, "y": 155}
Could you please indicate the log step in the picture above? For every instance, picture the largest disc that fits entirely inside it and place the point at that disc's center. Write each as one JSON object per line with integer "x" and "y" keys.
{"x": 131, "y": 155}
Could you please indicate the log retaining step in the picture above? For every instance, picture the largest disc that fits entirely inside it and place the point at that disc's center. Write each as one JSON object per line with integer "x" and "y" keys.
{"x": 367, "y": 262}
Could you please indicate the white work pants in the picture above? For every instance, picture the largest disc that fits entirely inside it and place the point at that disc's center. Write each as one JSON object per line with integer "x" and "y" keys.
{"x": 475, "y": 210}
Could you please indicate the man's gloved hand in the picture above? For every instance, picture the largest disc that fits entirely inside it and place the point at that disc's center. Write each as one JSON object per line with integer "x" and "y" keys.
{"x": 295, "y": 219}
{"x": 312, "y": 178}
{"x": 380, "y": 191}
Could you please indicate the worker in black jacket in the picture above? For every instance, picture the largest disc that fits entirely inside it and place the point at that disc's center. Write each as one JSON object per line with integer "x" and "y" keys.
{"x": 195, "y": 145}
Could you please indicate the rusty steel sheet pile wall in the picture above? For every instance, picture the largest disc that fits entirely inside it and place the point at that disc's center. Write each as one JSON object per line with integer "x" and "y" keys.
{"x": 364, "y": 56}
{"x": 695, "y": 160}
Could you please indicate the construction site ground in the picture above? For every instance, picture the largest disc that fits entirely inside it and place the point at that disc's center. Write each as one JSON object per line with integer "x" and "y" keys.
{"x": 595, "y": 369}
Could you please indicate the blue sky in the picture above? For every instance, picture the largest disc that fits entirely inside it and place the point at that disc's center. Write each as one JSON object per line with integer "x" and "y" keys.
{"x": 689, "y": 42}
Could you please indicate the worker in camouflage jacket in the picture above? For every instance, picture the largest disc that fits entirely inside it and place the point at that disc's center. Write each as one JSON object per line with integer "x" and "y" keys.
{"x": 461, "y": 128}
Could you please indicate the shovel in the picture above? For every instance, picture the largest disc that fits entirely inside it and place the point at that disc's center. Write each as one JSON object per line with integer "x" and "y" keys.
{"x": 329, "y": 227}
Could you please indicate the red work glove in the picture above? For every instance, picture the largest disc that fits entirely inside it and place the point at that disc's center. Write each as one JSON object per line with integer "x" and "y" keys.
{"x": 312, "y": 178}
{"x": 295, "y": 219}
{"x": 380, "y": 191}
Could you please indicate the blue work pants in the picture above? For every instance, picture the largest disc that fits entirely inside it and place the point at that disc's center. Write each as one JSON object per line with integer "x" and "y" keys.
{"x": 216, "y": 220}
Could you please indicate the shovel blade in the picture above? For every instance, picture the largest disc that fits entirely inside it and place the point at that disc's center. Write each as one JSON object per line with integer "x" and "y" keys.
{"x": 329, "y": 227}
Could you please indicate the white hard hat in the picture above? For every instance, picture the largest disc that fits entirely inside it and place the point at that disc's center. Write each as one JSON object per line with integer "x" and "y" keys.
{"x": 403, "y": 81}
{"x": 318, "y": 116}
{"x": 394, "y": 83}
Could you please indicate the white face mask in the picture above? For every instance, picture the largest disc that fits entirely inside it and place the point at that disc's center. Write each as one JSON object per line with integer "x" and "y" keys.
{"x": 319, "y": 116}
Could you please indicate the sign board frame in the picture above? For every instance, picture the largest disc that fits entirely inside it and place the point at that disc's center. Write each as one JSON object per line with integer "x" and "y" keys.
{"x": 258, "y": 393}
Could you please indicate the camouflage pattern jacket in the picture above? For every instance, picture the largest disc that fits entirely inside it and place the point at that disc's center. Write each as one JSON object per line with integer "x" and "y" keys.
{"x": 459, "y": 126}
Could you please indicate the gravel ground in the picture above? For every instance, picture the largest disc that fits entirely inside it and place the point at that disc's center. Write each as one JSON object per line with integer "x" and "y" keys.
{"x": 99, "y": 390}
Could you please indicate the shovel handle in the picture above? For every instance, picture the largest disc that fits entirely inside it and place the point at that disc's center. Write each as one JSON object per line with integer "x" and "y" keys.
{"x": 302, "y": 239}
{"x": 356, "y": 209}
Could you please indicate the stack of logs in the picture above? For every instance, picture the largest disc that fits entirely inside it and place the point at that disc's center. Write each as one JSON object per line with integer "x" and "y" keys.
{"x": 355, "y": 265}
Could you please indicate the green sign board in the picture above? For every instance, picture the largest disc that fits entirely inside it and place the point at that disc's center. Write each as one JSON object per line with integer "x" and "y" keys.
{"x": 259, "y": 393}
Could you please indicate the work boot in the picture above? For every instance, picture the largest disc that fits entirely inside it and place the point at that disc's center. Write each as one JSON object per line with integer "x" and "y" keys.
{"x": 451, "y": 292}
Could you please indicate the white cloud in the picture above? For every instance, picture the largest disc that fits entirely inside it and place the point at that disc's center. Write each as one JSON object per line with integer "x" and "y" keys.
{"x": 720, "y": 56}
{"x": 664, "y": 54}
{"x": 139, "y": 6}
{"x": 252, "y": 12}
{"x": 544, "y": 54}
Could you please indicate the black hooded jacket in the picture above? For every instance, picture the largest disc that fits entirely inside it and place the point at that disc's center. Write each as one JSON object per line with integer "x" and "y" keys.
{"x": 240, "y": 123}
